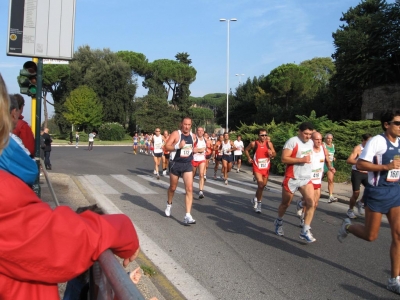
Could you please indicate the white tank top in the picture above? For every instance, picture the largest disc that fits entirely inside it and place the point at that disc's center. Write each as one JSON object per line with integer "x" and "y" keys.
{"x": 158, "y": 142}
{"x": 318, "y": 160}
{"x": 200, "y": 144}
{"x": 226, "y": 148}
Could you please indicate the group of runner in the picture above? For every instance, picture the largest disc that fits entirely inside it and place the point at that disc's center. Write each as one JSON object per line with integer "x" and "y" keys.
{"x": 143, "y": 143}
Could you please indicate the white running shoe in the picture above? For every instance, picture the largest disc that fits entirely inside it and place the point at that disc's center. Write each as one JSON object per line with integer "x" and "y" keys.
{"x": 360, "y": 208}
{"x": 226, "y": 181}
{"x": 155, "y": 172}
{"x": 394, "y": 285}
{"x": 258, "y": 208}
{"x": 237, "y": 171}
{"x": 342, "y": 233}
{"x": 351, "y": 215}
{"x": 299, "y": 207}
{"x": 307, "y": 236}
{"x": 168, "y": 210}
{"x": 189, "y": 220}
{"x": 254, "y": 202}
{"x": 332, "y": 199}
{"x": 278, "y": 227}
{"x": 201, "y": 195}
{"x": 164, "y": 173}
{"x": 222, "y": 176}
{"x": 158, "y": 177}
{"x": 205, "y": 177}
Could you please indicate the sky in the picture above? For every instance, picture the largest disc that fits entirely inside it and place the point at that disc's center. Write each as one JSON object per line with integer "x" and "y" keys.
{"x": 267, "y": 34}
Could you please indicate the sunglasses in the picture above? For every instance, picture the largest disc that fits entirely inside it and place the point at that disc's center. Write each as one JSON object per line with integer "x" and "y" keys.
{"x": 263, "y": 135}
{"x": 157, "y": 130}
{"x": 397, "y": 123}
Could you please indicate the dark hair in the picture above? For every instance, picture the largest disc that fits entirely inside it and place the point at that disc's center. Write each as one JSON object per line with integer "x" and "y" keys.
{"x": 13, "y": 103}
{"x": 20, "y": 100}
{"x": 262, "y": 129}
{"x": 388, "y": 116}
{"x": 306, "y": 125}
{"x": 366, "y": 136}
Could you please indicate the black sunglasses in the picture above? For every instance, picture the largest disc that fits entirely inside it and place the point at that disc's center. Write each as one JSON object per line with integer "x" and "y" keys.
{"x": 263, "y": 134}
{"x": 397, "y": 123}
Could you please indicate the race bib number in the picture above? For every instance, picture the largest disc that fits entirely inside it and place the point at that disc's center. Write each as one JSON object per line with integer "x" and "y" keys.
{"x": 157, "y": 146}
{"x": 227, "y": 152}
{"x": 186, "y": 150}
{"x": 316, "y": 174}
{"x": 262, "y": 163}
{"x": 393, "y": 175}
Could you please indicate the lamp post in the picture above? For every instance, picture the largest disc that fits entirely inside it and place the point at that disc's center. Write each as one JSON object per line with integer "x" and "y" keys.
{"x": 240, "y": 77}
{"x": 227, "y": 72}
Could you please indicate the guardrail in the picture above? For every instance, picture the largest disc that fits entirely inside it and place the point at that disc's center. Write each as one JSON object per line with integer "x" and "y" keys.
{"x": 108, "y": 279}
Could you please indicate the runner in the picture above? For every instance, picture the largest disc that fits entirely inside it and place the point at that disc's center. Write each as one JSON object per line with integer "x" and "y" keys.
{"x": 238, "y": 152}
{"x": 213, "y": 139}
{"x": 296, "y": 155}
{"x": 218, "y": 156}
{"x": 329, "y": 175}
{"x": 165, "y": 157}
{"x": 261, "y": 165}
{"x": 209, "y": 151}
{"x": 182, "y": 142}
{"x": 156, "y": 143}
{"x": 141, "y": 142}
{"x": 135, "y": 143}
{"x": 199, "y": 159}
{"x": 319, "y": 156}
{"x": 227, "y": 147}
{"x": 381, "y": 158}
{"x": 358, "y": 177}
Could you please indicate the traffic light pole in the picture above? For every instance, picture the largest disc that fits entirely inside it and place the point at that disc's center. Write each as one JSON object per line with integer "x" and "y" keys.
{"x": 37, "y": 118}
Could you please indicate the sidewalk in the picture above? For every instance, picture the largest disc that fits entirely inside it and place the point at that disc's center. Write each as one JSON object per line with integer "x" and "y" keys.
{"x": 342, "y": 191}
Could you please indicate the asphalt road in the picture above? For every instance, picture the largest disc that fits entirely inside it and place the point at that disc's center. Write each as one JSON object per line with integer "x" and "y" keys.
{"x": 232, "y": 252}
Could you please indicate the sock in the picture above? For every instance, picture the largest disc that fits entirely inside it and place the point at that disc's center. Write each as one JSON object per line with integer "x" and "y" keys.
{"x": 164, "y": 169}
{"x": 306, "y": 228}
{"x": 258, "y": 201}
{"x": 280, "y": 220}
{"x": 188, "y": 215}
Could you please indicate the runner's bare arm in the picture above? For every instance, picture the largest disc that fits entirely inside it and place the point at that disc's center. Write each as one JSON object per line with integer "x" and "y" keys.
{"x": 352, "y": 159}
{"x": 172, "y": 140}
{"x": 364, "y": 165}
{"x": 273, "y": 152}
{"x": 246, "y": 151}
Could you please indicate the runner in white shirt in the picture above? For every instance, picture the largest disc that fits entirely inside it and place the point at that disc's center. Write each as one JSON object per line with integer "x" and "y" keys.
{"x": 199, "y": 159}
{"x": 237, "y": 154}
{"x": 320, "y": 156}
{"x": 157, "y": 142}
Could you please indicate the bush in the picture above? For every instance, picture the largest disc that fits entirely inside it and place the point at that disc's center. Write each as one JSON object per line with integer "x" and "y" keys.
{"x": 111, "y": 132}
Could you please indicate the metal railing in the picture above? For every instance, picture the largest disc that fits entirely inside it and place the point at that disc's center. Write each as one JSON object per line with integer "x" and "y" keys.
{"x": 108, "y": 279}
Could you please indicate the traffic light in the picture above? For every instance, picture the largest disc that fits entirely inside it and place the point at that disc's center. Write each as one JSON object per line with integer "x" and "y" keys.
{"x": 27, "y": 79}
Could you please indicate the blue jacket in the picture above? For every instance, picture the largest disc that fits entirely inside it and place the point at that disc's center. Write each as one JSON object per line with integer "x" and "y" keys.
{"x": 14, "y": 160}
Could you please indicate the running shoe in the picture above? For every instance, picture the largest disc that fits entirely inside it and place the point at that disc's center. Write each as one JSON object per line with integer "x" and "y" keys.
{"x": 254, "y": 179}
{"x": 307, "y": 236}
{"x": 342, "y": 234}
{"x": 155, "y": 172}
{"x": 215, "y": 175}
{"x": 226, "y": 181}
{"x": 299, "y": 207}
{"x": 394, "y": 285}
{"x": 351, "y": 215}
{"x": 164, "y": 173}
{"x": 237, "y": 171}
{"x": 189, "y": 220}
{"x": 332, "y": 199}
{"x": 254, "y": 202}
{"x": 222, "y": 176}
{"x": 168, "y": 210}
{"x": 205, "y": 177}
{"x": 258, "y": 208}
{"x": 360, "y": 208}
{"x": 267, "y": 188}
{"x": 278, "y": 227}
{"x": 201, "y": 195}
{"x": 158, "y": 177}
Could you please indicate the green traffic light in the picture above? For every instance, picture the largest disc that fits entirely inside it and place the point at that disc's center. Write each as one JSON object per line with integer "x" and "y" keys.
{"x": 27, "y": 79}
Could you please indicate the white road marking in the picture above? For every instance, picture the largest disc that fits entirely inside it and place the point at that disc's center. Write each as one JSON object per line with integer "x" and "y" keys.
{"x": 134, "y": 185}
{"x": 99, "y": 184}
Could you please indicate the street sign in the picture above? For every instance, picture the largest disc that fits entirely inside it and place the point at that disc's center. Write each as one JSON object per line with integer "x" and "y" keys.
{"x": 55, "y": 62}
{"x": 41, "y": 28}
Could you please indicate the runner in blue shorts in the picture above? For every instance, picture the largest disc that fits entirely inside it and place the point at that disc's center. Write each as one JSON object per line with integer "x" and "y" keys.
{"x": 381, "y": 158}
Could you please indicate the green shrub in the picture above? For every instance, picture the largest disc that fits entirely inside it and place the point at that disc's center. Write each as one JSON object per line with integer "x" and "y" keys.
{"x": 111, "y": 132}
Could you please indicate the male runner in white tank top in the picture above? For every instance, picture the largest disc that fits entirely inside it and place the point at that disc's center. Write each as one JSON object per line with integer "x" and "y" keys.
{"x": 199, "y": 159}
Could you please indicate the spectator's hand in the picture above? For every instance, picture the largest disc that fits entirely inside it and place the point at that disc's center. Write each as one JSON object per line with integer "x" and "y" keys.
{"x": 135, "y": 275}
{"x": 127, "y": 261}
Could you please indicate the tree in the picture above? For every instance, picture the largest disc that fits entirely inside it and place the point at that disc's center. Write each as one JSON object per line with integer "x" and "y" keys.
{"x": 200, "y": 116}
{"x": 84, "y": 108}
{"x": 367, "y": 53}
{"x": 136, "y": 61}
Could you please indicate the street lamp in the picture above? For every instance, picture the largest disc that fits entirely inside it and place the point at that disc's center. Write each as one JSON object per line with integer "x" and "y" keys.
{"x": 227, "y": 72}
{"x": 240, "y": 77}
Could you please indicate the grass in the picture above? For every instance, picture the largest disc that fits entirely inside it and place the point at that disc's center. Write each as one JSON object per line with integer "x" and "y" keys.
{"x": 149, "y": 271}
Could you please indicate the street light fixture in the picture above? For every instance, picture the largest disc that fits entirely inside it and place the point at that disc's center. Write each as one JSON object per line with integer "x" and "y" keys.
{"x": 240, "y": 77}
{"x": 227, "y": 72}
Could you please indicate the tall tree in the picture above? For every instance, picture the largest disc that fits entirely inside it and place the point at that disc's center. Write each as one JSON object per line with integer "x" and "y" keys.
{"x": 83, "y": 108}
{"x": 367, "y": 53}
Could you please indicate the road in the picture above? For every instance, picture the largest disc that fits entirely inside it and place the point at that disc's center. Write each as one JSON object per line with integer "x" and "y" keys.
{"x": 232, "y": 252}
